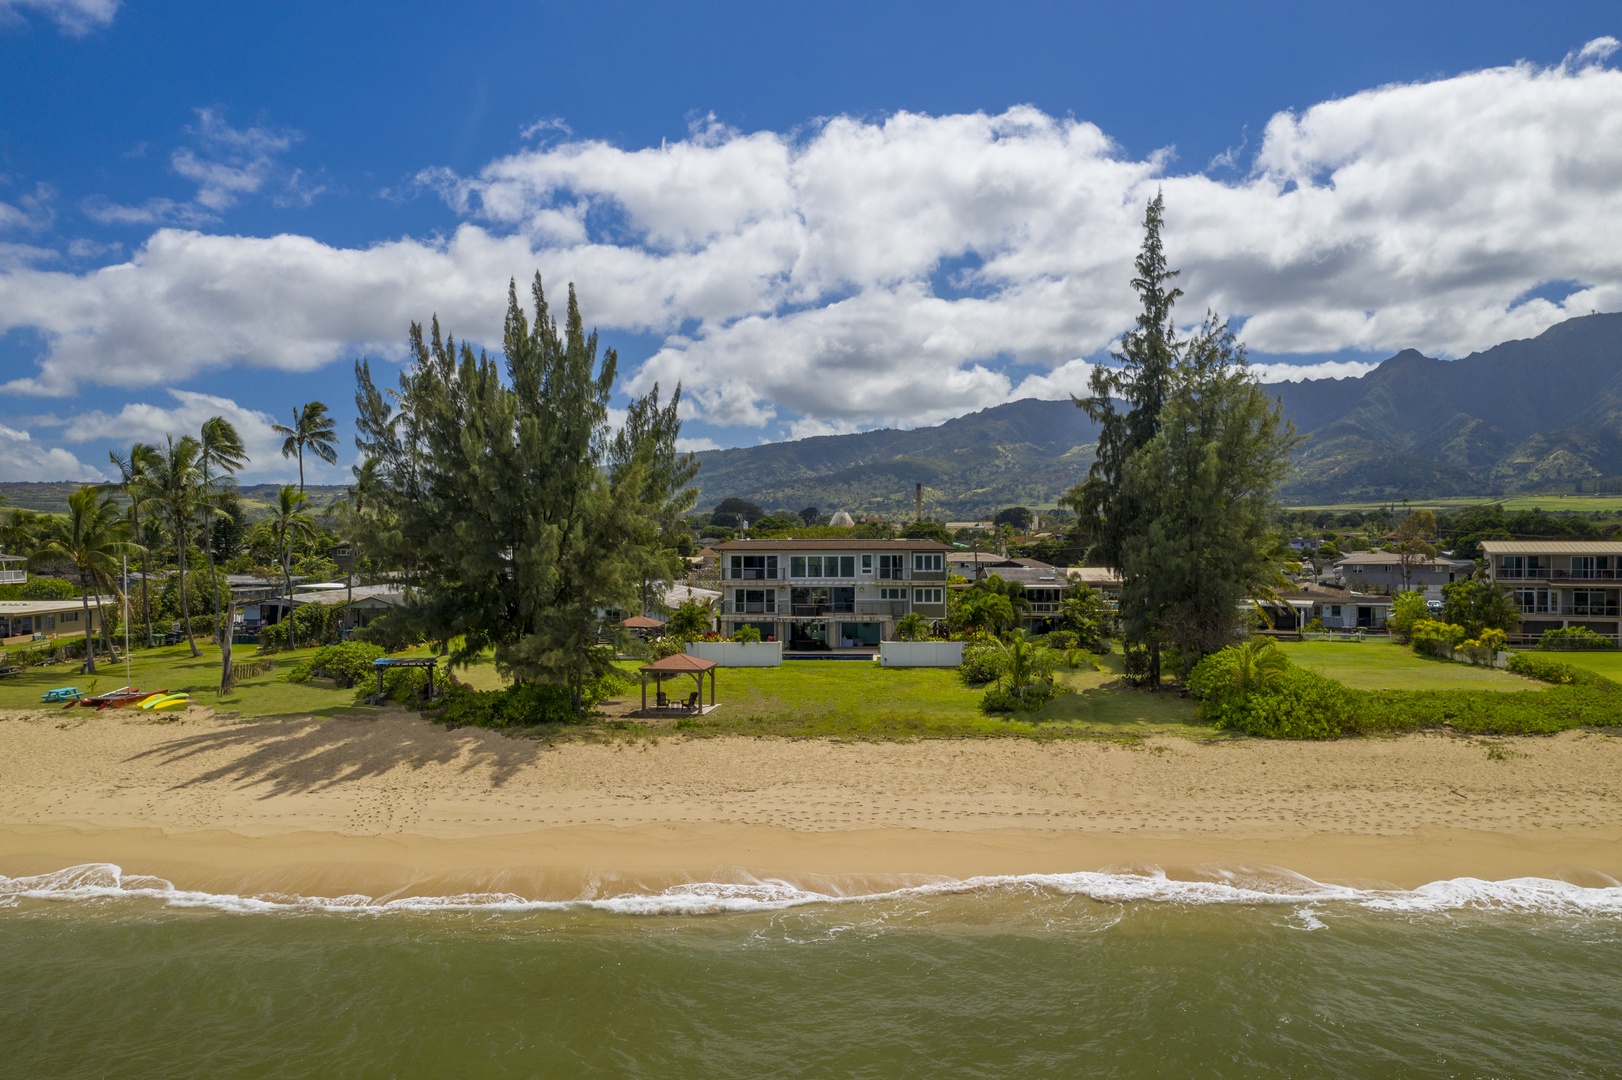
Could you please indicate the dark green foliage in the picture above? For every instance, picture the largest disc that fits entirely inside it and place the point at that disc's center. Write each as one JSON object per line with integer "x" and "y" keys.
{"x": 403, "y": 685}
{"x": 524, "y": 705}
{"x": 1000, "y": 700}
{"x": 983, "y": 663}
{"x": 41, "y": 588}
{"x": 1574, "y": 639}
{"x": 310, "y": 624}
{"x": 1019, "y": 517}
{"x": 513, "y": 511}
{"x": 927, "y": 530}
{"x": 775, "y": 525}
{"x": 1546, "y": 670}
{"x": 1476, "y": 604}
{"x": 347, "y": 664}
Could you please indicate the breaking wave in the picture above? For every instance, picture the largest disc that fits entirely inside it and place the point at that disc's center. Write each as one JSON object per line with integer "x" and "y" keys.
{"x": 104, "y": 882}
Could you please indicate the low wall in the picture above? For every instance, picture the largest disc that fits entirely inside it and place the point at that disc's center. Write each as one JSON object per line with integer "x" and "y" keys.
{"x": 920, "y": 653}
{"x": 738, "y": 653}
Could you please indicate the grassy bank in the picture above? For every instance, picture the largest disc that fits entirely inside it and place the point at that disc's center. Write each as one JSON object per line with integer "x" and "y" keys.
{"x": 1383, "y": 665}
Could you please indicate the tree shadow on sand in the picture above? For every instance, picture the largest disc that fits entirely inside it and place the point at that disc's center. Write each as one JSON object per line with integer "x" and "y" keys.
{"x": 293, "y": 755}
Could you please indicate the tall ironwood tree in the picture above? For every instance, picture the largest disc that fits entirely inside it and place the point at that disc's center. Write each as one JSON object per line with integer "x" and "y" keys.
{"x": 513, "y": 510}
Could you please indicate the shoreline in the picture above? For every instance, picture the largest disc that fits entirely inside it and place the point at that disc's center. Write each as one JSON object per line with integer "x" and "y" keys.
{"x": 393, "y": 806}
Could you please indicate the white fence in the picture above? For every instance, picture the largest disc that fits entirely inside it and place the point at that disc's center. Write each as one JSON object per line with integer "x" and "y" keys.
{"x": 738, "y": 653}
{"x": 920, "y": 653}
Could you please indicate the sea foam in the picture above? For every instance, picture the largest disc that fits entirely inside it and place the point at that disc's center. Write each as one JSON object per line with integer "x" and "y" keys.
{"x": 103, "y": 882}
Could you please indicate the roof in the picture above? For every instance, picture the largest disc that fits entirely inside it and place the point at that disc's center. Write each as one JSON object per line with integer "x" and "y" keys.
{"x": 680, "y": 663}
{"x": 677, "y": 595}
{"x": 13, "y": 558}
{"x": 1355, "y": 599}
{"x": 1095, "y": 575}
{"x": 641, "y": 622}
{"x": 739, "y": 546}
{"x": 15, "y": 608}
{"x": 393, "y": 595}
{"x": 1551, "y": 547}
{"x": 1386, "y": 558}
{"x": 1032, "y": 576}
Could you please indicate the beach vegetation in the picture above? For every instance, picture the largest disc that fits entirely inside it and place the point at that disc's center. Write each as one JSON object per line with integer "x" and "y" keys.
{"x": 912, "y": 627}
{"x": 132, "y": 472}
{"x": 984, "y": 662}
{"x": 1181, "y": 495}
{"x": 313, "y": 430}
{"x": 93, "y": 538}
{"x": 1407, "y": 608}
{"x": 347, "y": 664}
{"x": 1574, "y": 639}
{"x": 508, "y": 503}
{"x": 1476, "y": 604}
{"x": 689, "y": 621}
{"x": 746, "y": 634}
{"x": 173, "y": 485}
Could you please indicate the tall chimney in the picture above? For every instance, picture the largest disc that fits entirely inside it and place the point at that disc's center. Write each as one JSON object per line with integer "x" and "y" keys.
{"x": 918, "y": 492}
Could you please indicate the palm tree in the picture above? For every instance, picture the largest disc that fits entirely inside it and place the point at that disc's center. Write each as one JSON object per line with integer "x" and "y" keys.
{"x": 132, "y": 471}
{"x": 350, "y": 512}
{"x": 175, "y": 484}
{"x": 289, "y": 520}
{"x": 1022, "y": 656}
{"x": 93, "y": 537}
{"x": 220, "y": 453}
{"x": 312, "y": 428}
{"x": 1259, "y": 663}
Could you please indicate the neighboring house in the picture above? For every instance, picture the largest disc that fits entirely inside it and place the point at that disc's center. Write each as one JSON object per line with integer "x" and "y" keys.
{"x": 1337, "y": 609}
{"x": 1103, "y": 578}
{"x": 365, "y": 602}
{"x": 1381, "y": 572}
{"x": 1559, "y": 583}
{"x": 830, "y": 594}
{"x": 677, "y": 595}
{"x": 13, "y": 570}
{"x": 22, "y": 621}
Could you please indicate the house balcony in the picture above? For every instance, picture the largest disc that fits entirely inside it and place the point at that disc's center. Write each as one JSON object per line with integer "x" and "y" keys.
{"x": 811, "y": 611}
{"x": 893, "y": 609}
{"x": 732, "y": 607}
{"x": 13, "y": 577}
{"x": 751, "y": 574}
{"x": 1558, "y": 574}
{"x": 1573, "y": 611}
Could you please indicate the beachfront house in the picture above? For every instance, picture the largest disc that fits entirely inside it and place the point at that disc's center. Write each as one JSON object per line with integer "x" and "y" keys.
{"x": 1381, "y": 572}
{"x": 830, "y": 594}
{"x": 1337, "y": 609}
{"x": 22, "y": 621}
{"x": 1559, "y": 583}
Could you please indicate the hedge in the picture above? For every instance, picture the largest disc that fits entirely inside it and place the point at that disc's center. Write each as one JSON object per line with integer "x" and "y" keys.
{"x": 1301, "y": 704}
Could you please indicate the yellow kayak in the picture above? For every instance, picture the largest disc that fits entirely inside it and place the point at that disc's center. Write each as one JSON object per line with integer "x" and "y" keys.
{"x": 151, "y": 699}
{"x": 173, "y": 701}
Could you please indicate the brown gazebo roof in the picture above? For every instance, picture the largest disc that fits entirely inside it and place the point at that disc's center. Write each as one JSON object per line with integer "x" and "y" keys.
{"x": 679, "y": 663}
{"x": 641, "y": 622}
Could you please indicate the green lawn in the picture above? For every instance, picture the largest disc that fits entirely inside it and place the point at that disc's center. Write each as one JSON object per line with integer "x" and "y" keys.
{"x": 1551, "y": 503}
{"x": 1383, "y": 665}
{"x": 1608, "y": 663}
{"x": 861, "y": 700}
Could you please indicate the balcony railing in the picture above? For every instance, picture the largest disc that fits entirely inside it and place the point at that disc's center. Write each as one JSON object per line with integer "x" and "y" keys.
{"x": 1557, "y": 573}
{"x": 13, "y": 577}
{"x": 751, "y": 573}
{"x": 892, "y": 608}
{"x": 1574, "y": 611}
{"x": 732, "y": 607}
{"x": 812, "y": 610}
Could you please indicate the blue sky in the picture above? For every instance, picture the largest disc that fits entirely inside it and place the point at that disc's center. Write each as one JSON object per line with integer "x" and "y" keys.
{"x": 818, "y": 217}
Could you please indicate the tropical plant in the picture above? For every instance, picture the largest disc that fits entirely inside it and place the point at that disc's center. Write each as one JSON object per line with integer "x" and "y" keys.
{"x": 219, "y": 454}
{"x": 351, "y": 514}
{"x": 1477, "y": 604}
{"x": 174, "y": 483}
{"x": 912, "y": 627}
{"x": 289, "y": 522}
{"x": 689, "y": 621}
{"x": 1407, "y": 608}
{"x": 982, "y": 611}
{"x": 1257, "y": 663}
{"x": 746, "y": 634}
{"x": 313, "y": 430}
{"x": 132, "y": 470}
{"x": 93, "y": 537}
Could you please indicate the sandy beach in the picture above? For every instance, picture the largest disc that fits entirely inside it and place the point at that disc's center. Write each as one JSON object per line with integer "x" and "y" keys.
{"x": 393, "y": 805}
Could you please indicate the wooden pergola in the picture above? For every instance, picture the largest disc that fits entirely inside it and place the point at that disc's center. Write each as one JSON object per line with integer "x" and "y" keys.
{"x": 672, "y": 666}
{"x": 642, "y": 626}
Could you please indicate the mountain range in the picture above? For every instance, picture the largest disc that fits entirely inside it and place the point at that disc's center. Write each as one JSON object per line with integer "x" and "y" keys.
{"x": 1536, "y": 415}
{"x": 1531, "y": 416}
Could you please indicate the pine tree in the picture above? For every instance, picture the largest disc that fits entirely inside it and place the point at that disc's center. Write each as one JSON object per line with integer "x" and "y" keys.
{"x": 512, "y": 511}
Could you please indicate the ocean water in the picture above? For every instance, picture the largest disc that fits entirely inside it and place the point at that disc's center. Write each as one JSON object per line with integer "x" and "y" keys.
{"x": 1064, "y": 975}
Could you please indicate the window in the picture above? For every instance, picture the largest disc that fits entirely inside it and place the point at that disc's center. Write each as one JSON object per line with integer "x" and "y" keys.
{"x": 892, "y": 594}
{"x": 927, "y": 563}
{"x": 754, "y": 601}
{"x": 1533, "y": 601}
{"x": 892, "y": 567}
{"x": 69, "y": 616}
{"x": 867, "y": 564}
{"x": 1591, "y": 602}
{"x": 927, "y": 596}
{"x": 47, "y": 622}
{"x": 754, "y": 567}
{"x": 1334, "y": 611}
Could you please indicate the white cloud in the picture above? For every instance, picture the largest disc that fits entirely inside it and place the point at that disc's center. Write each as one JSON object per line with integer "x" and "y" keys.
{"x": 149, "y": 423}
{"x": 692, "y": 445}
{"x": 903, "y": 270}
{"x": 23, "y": 459}
{"x": 32, "y": 211}
{"x": 74, "y": 17}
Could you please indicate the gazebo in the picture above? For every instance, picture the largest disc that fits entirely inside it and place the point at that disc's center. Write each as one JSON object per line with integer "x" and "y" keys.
{"x": 679, "y": 664}
{"x": 642, "y": 626}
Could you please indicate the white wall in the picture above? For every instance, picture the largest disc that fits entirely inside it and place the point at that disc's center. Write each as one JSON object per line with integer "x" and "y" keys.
{"x": 738, "y": 653}
{"x": 920, "y": 653}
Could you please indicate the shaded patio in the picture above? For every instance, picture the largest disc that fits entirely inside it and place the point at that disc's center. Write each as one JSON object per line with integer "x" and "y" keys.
{"x": 674, "y": 667}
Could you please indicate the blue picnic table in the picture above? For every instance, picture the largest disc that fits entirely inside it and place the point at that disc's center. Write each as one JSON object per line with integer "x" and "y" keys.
{"x": 61, "y": 693}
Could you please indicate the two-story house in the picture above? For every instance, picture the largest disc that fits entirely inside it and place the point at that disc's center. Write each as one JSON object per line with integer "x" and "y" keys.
{"x": 830, "y": 594}
{"x": 1381, "y": 572}
{"x": 1559, "y": 583}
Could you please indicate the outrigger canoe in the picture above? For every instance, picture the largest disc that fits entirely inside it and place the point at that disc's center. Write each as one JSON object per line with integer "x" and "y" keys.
{"x": 125, "y": 696}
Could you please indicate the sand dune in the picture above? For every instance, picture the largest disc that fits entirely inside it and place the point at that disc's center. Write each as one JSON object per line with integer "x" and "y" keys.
{"x": 393, "y": 803}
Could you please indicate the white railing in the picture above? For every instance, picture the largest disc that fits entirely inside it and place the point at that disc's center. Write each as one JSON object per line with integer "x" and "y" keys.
{"x": 13, "y": 577}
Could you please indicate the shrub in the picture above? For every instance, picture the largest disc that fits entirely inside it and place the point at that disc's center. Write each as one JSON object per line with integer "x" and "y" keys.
{"x": 391, "y": 631}
{"x": 1543, "y": 669}
{"x": 523, "y": 705}
{"x": 1574, "y": 639}
{"x": 273, "y": 638}
{"x": 1432, "y": 638}
{"x": 41, "y": 588}
{"x": 1315, "y": 626}
{"x": 983, "y": 662}
{"x": 402, "y": 684}
{"x": 746, "y": 634}
{"x": 1407, "y": 609}
{"x": 1483, "y": 650}
{"x": 1135, "y": 666}
{"x": 1063, "y": 640}
{"x": 912, "y": 627}
{"x": 347, "y": 664}
{"x": 998, "y": 700}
